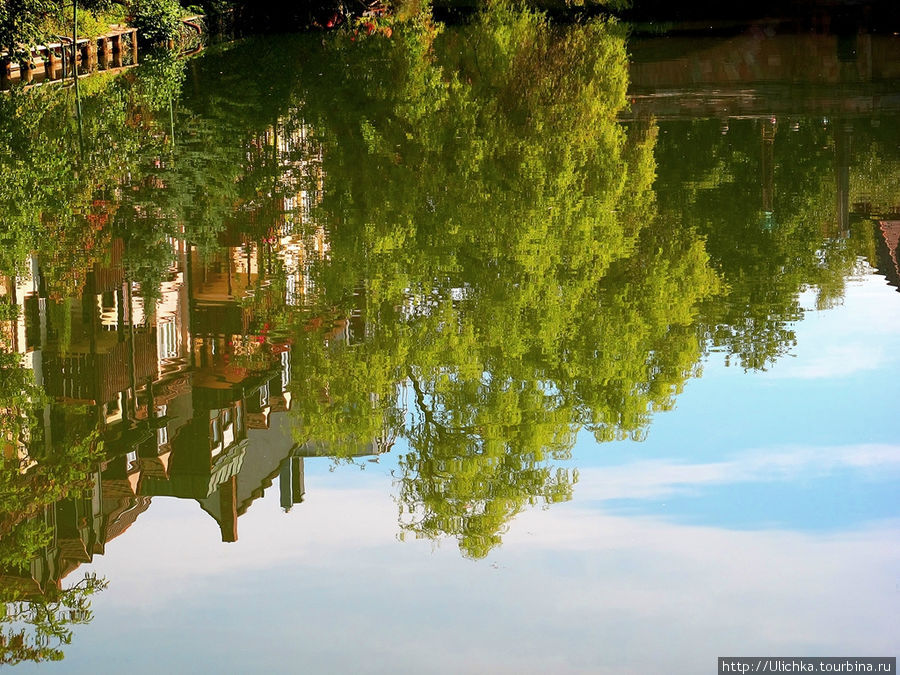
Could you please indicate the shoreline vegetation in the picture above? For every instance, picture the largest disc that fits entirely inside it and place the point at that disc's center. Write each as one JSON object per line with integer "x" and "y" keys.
{"x": 28, "y": 27}
{"x": 39, "y": 37}
{"x": 26, "y": 24}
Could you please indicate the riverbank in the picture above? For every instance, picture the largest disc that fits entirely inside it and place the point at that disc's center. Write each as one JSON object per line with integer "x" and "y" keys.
{"x": 114, "y": 50}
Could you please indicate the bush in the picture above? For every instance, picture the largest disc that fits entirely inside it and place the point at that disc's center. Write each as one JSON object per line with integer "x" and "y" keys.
{"x": 19, "y": 24}
{"x": 157, "y": 20}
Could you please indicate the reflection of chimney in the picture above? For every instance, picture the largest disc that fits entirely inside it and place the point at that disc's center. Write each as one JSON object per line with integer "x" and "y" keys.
{"x": 864, "y": 56}
{"x": 284, "y": 484}
{"x": 768, "y": 166}
{"x": 842, "y": 143}
{"x": 290, "y": 482}
{"x": 228, "y": 505}
{"x": 297, "y": 482}
{"x": 641, "y": 127}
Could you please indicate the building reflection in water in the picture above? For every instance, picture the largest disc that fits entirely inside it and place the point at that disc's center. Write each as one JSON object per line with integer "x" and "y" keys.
{"x": 188, "y": 395}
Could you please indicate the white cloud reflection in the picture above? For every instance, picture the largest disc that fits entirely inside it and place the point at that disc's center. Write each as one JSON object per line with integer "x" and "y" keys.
{"x": 573, "y": 589}
{"x": 829, "y": 341}
{"x": 833, "y": 361}
{"x": 663, "y": 477}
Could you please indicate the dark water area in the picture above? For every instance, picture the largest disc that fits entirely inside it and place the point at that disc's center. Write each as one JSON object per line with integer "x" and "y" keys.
{"x": 835, "y": 16}
{"x": 505, "y": 347}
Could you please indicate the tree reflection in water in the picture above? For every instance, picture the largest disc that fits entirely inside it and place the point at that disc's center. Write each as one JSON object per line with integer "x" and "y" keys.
{"x": 443, "y": 239}
{"x": 35, "y": 629}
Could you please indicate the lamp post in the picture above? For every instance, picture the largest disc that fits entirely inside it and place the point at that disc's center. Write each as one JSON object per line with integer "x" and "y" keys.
{"x": 74, "y": 35}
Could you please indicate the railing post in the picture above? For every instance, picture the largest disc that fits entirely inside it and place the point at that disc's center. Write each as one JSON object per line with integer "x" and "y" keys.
{"x": 103, "y": 51}
{"x": 50, "y": 63}
{"x": 75, "y": 36}
{"x": 117, "y": 52}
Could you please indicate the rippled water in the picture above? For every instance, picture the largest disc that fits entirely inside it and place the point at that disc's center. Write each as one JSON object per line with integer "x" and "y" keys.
{"x": 497, "y": 348}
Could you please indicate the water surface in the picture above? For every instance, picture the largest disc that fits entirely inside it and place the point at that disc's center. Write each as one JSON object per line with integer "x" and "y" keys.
{"x": 496, "y": 348}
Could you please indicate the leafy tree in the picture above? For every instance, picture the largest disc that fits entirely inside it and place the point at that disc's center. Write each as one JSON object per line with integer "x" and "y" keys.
{"x": 38, "y": 627}
{"x": 715, "y": 183}
{"x": 20, "y": 24}
{"x": 492, "y": 226}
{"x": 157, "y": 20}
{"x": 33, "y": 476}
{"x": 502, "y": 268}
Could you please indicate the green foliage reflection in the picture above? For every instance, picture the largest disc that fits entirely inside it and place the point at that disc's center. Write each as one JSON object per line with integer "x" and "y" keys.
{"x": 493, "y": 227}
{"x": 35, "y": 629}
{"x": 489, "y": 263}
{"x": 767, "y": 253}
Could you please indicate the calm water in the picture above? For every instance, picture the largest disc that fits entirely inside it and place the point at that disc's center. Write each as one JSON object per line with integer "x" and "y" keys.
{"x": 502, "y": 348}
